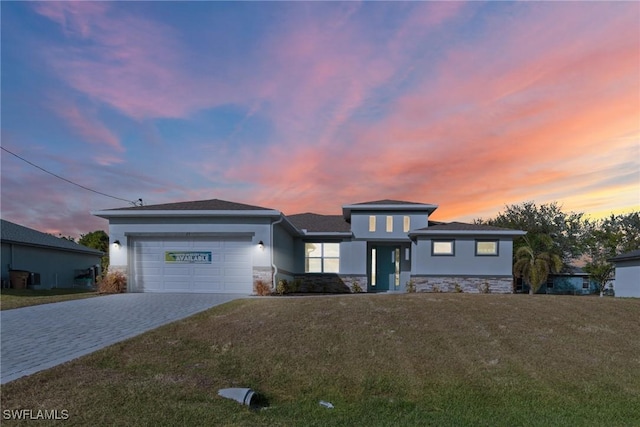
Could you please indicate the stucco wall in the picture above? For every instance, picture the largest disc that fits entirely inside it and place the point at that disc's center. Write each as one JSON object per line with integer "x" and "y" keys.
{"x": 121, "y": 228}
{"x": 360, "y": 224}
{"x": 465, "y": 262}
{"x": 627, "y": 282}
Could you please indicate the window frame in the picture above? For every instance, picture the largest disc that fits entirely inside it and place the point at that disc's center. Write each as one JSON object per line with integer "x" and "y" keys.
{"x": 453, "y": 247}
{"x": 496, "y": 241}
{"x": 322, "y": 258}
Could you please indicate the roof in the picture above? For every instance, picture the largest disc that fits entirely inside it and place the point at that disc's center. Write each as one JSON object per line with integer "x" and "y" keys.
{"x": 197, "y": 205}
{"x": 317, "y": 223}
{"x": 461, "y": 228}
{"x": 388, "y": 202}
{"x": 213, "y": 207}
{"x": 388, "y": 205}
{"x": 627, "y": 256}
{"x": 14, "y": 233}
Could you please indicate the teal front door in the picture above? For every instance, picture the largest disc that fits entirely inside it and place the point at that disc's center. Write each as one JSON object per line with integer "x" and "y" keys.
{"x": 385, "y": 268}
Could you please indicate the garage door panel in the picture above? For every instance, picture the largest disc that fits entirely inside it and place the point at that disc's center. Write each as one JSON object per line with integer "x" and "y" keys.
{"x": 229, "y": 269}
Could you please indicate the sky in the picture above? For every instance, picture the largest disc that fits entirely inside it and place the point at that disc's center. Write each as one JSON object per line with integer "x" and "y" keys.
{"x": 307, "y": 106}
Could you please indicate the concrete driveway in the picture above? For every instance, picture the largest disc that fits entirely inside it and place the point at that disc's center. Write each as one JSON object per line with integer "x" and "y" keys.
{"x": 42, "y": 336}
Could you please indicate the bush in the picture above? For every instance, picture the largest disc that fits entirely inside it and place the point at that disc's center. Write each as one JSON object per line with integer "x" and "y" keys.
{"x": 457, "y": 288}
{"x": 112, "y": 283}
{"x": 355, "y": 287}
{"x": 262, "y": 288}
{"x": 281, "y": 287}
{"x": 411, "y": 286}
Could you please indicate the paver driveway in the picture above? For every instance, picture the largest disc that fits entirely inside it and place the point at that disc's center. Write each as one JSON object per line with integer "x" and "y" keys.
{"x": 42, "y": 336}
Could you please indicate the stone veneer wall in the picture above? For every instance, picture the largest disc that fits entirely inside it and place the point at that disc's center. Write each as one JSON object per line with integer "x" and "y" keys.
{"x": 330, "y": 283}
{"x": 471, "y": 285}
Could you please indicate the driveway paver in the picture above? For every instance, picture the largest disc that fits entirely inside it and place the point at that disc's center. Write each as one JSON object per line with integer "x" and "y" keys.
{"x": 43, "y": 336}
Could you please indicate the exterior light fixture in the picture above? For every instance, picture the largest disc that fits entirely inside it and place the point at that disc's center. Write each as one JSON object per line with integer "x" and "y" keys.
{"x": 117, "y": 243}
{"x": 261, "y": 245}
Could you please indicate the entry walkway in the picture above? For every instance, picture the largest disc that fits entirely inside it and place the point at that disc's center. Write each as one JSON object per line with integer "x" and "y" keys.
{"x": 42, "y": 336}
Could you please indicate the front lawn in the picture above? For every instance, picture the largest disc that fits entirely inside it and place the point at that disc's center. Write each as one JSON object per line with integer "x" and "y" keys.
{"x": 16, "y": 298}
{"x": 387, "y": 360}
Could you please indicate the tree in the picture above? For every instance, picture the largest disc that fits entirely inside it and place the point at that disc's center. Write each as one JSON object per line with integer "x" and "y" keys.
{"x": 534, "y": 265}
{"x": 607, "y": 238}
{"x": 601, "y": 271}
{"x": 566, "y": 229}
{"x": 97, "y": 240}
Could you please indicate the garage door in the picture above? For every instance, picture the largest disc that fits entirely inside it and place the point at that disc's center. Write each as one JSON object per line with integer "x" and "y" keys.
{"x": 197, "y": 264}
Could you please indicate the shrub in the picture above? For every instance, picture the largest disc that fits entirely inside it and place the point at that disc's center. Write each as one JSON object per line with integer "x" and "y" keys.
{"x": 112, "y": 283}
{"x": 355, "y": 287}
{"x": 457, "y": 288}
{"x": 281, "y": 287}
{"x": 262, "y": 288}
{"x": 436, "y": 289}
{"x": 411, "y": 286}
{"x": 485, "y": 289}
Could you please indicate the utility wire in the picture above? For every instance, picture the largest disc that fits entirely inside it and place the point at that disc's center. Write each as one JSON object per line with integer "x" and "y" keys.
{"x": 139, "y": 201}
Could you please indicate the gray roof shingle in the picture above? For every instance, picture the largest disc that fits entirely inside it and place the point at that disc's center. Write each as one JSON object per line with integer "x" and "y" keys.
{"x": 197, "y": 205}
{"x": 14, "y": 233}
{"x": 320, "y": 223}
{"x": 388, "y": 202}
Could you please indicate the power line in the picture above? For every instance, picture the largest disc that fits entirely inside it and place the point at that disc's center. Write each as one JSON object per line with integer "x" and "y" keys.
{"x": 136, "y": 203}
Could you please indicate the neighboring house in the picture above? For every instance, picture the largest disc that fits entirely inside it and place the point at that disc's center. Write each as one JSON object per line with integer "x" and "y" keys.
{"x": 51, "y": 262}
{"x": 573, "y": 281}
{"x": 221, "y": 246}
{"x": 627, "y": 282}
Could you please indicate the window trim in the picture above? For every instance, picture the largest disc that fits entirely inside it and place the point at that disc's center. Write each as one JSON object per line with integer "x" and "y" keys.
{"x": 322, "y": 258}
{"x": 496, "y": 241}
{"x": 453, "y": 247}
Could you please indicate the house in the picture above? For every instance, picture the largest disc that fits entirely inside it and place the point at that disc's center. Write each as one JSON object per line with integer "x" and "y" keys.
{"x": 571, "y": 281}
{"x": 380, "y": 246}
{"x": 627, "y": 265}
{"x": 45, "y": 261}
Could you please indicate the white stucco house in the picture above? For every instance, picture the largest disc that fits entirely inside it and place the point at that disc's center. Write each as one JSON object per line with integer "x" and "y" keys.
{"x": 381, "y": 246}
{"x": 627, "y": 267}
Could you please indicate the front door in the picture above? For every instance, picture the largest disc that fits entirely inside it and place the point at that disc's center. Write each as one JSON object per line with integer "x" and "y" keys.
{"x": 385, "y": 268}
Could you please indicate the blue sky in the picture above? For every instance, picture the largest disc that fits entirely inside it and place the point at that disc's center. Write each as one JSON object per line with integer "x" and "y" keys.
{"x": 304, "y": 106}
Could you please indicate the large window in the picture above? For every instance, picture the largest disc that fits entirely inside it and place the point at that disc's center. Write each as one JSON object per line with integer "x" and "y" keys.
{"x": 442, "y": 247}
{"x": 486, "y": 247}
{"x": 322, "y": 258}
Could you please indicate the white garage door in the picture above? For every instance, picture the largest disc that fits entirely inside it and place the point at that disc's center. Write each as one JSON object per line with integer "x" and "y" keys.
{"x": 196, "y": 264}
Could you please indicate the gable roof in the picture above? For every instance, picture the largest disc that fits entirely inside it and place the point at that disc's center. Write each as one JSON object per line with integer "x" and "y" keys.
{"x": 18, "y": 234}
{"x": 627, "y": 256}
{"x": 317, "y": 223}
{"x": 461, "y": 228}
{"x": 197, "y": 205}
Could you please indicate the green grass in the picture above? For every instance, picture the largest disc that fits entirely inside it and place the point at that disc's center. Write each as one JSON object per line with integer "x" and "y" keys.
{"x": 413, "y": 359}
{"x": 16, "y": 298}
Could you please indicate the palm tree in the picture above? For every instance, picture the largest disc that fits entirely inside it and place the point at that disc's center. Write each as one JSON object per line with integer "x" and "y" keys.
{"x": 534, "y": 265}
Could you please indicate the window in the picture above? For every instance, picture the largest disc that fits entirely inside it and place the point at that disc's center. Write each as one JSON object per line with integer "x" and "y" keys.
{"x": 585, "y": 283}
{"x": 486, "y": 247}
{"x": 389, "y": 224}
{"x": 442, "y": 247}
{"x": 372, "y": 223}
{"x": 322, "y": 257}
{"x": 406, "y": 224}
